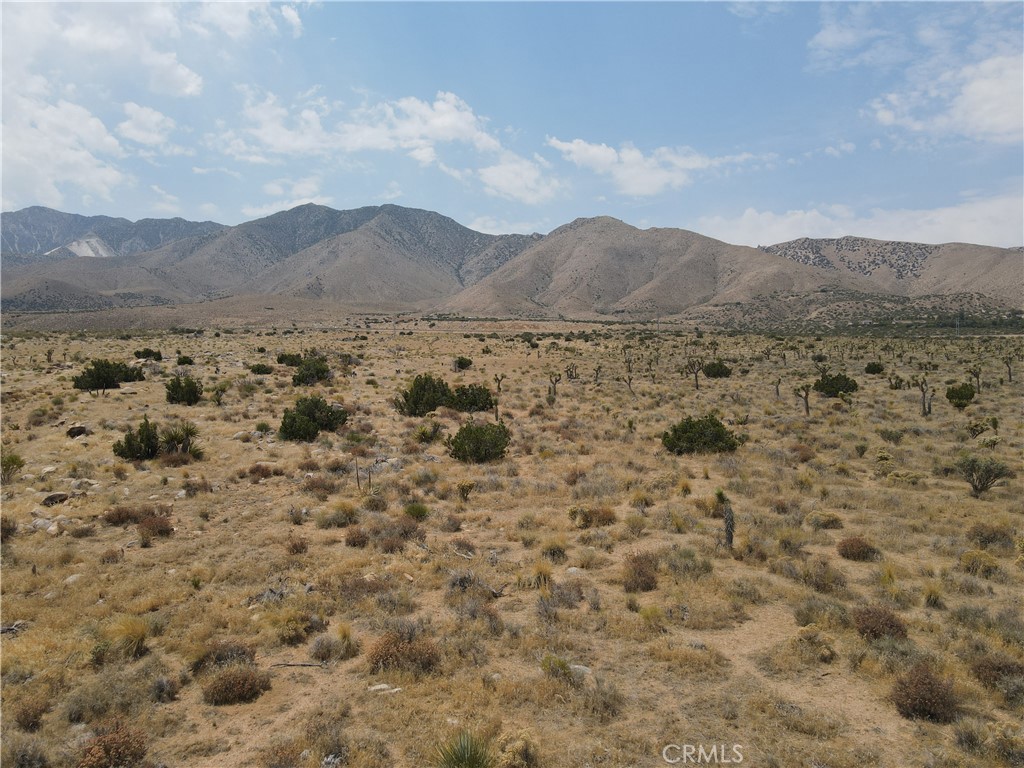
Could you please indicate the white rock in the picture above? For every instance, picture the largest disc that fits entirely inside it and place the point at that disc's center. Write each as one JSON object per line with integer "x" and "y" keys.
{"x": 54, "y": 530}
{"x": 379, "y": 687}
{"x": 47, "y": 471}
{"x": 72, "y": 578}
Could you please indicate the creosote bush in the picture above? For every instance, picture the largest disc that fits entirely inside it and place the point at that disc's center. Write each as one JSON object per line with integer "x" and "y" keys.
{"x": 309, "y": 416}
{"x": 704, "y": 435}
{"x": 982, "y": 473}
{"x": 101, "y": 375}
{"x": 717, "y": 370}
{"x": 835, "y": 384}
{"x": 184, "y": 389}
{"x": 479, "y": 443}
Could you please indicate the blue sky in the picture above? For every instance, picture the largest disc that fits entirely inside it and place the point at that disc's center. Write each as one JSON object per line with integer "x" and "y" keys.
{"x": 750, "y": 122}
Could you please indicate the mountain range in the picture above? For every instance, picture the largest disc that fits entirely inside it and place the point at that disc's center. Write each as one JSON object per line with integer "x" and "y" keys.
{"x": 395, "y": 259}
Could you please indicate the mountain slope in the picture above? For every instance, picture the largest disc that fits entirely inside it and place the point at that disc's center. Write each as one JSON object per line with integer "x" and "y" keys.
{"x": 601, "y": 266}
{"x": 916, "y": 269}
{"x": 39, "y": 233}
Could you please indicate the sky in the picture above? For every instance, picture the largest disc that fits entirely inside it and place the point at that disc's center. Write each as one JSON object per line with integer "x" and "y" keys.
{"x": 753, "y": 123}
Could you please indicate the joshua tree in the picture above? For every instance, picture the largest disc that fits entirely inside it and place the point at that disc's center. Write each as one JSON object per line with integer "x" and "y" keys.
{"x": 498, "y": 378}
{"x": 693, "y": 367}
{"x": 727, "y": 516}
{"x": 804, "y": 393}
{"x": 1008, "y": 362}
{"x": 554, "y": 378}
{"x": 926, "y": 395}
{"x": 778, "y": 382}
{"x": 975, "y": 372}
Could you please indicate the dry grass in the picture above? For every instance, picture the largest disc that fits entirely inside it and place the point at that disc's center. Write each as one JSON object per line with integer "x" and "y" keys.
{"x": 588, "y": 544}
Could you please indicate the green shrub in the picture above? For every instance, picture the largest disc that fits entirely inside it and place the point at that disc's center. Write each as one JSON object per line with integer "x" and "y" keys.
{"x": 292, "y": 359}
{"x": 705, "y": 435}
{"x": 417, "y": 510}
{"x": 310, "y": 415}
{"x": 472, "y": 398}
{"x": 148, "y": 354}
{"x": 103, "y": 375}
{"x": 312, "y": 369}
{"x": 428, "y": 432}
{"x": 185, "y": 360}
{"x": 180, "y": 439}
{"x": 479, "y": 443}
{"x": 261, "y": 369}
{"x": 462, "y": 363}
{"x": 184, "y": 389}
{"x": 424, "y": 395}
{"x": 982, "y": 473}
{"x": 141, "y": 445}
{"x": 874, "y": 368}
{"x": 835, "y": 384}
{"x": 960, "y": 395}
{"x": 717, "y": 370}
{"x": 10, "y": 464}
{"x": 465, "y": 750}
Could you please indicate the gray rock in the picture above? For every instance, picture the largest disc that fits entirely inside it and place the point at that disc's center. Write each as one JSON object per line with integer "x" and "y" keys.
{"x": 55, "y": 498}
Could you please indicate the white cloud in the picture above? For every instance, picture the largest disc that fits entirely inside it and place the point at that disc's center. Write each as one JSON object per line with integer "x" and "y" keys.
{"x": 291, "y": 192}
{"x": 237, "y": 20}
{"x": 209, "y": 209}
{"x": 850, "y": 37}
{"x": 167, "y": 203}
{"x": 200, "y": 171}
{"x": 640, "y": 175}
{"x": 291, "y": 16}
{"x": 995, "y": 221}
{"x": 145, "y": 125}
{"x": 517, "y": 178}
{"x": 393, "y": 192}
{"x": 50, "y": 149}
{"x": 494, "y": 226}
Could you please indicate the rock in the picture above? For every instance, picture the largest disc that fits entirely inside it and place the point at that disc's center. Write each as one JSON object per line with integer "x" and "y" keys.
{"x": 572, "y": 570}
{"x": 40, "y": 524}
{"x": 84, "y": 484}
{"x": 241, "y": 435}
{"x": 180, "y": 495}
{"x": 72, "y": 578}
{"x": 54, "y": 530}
{"x": 78, "y": 430}
{"x": 47, "y": 471}
{"x": 579, "y": 669}
{"x": 55, "y": 498}
{"x": 379, "y": 687}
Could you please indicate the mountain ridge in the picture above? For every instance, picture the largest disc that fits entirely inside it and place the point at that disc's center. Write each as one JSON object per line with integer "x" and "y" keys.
{"x": 393, "y": 258}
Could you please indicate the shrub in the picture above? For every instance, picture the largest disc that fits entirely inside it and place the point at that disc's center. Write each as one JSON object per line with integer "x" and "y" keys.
{"x": 8, "y": 527}
{"x": 343, "y": 515}
{"x": 717, "y": 370}
{"x": 221, "y": 653}
{"x": 591, "y": 517}
{"x": 858, "y": 548}
{"x": 292, "y": 359}
{"x": 180, "y": 439}
{"x": 428, "y": 432}
{"x": 10, "y": 464}
{"x": 312, "y": 369}
{"x": 104, "y": 375}
{"x": 921, "y": 694}
{"x": 357, "y": 537}
{"x": 979, "y": 563}
{"x": 835, "y": 384}
{"x": 464, "y": 750}
{"x": 640, "y": 572}
{"x": 184, "y": 389}
{"x": 149, "y": 354}
{"x": 261, "y": 369}
{"x": 184, "y": 360}
{"x": 310, "y": 415}
{"x": 404, "y": 648}
{"x": 235, "y": 684}
{"x": 819, "y": 520}
{"x": 155, "y": 525}
{"x": 20, "y": 751}
{"x": 140, "y": 446}
{"x": 127, "y": 635}
{"x": 874, "y": 622}
{"x": 985, "y": 535}
{"x": 417, "y": 510}
{"x": 479, "y": 443}
{"x": 982, "y": 473}
{"x": 115, "y": 747}
{"x": 472, "y": 398}
{"x": 960, "y": 395}
{"x": 424, "y": 395}
{"x": 705, "y": 435}
{"x": 462, "y": 363}
{"x": 874, "y": 369}
{"x": 999, "y": 672}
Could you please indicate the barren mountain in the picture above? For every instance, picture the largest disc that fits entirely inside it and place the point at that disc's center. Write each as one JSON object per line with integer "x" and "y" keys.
{"x": 40, "y": 233}
{"x": 916, "y": 269}
{"x": 391, "y": 258}
{"x": 595, "y": 267}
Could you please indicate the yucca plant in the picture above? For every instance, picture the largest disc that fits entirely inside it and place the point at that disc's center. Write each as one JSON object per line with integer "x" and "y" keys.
{"x": 464, "y": 750}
